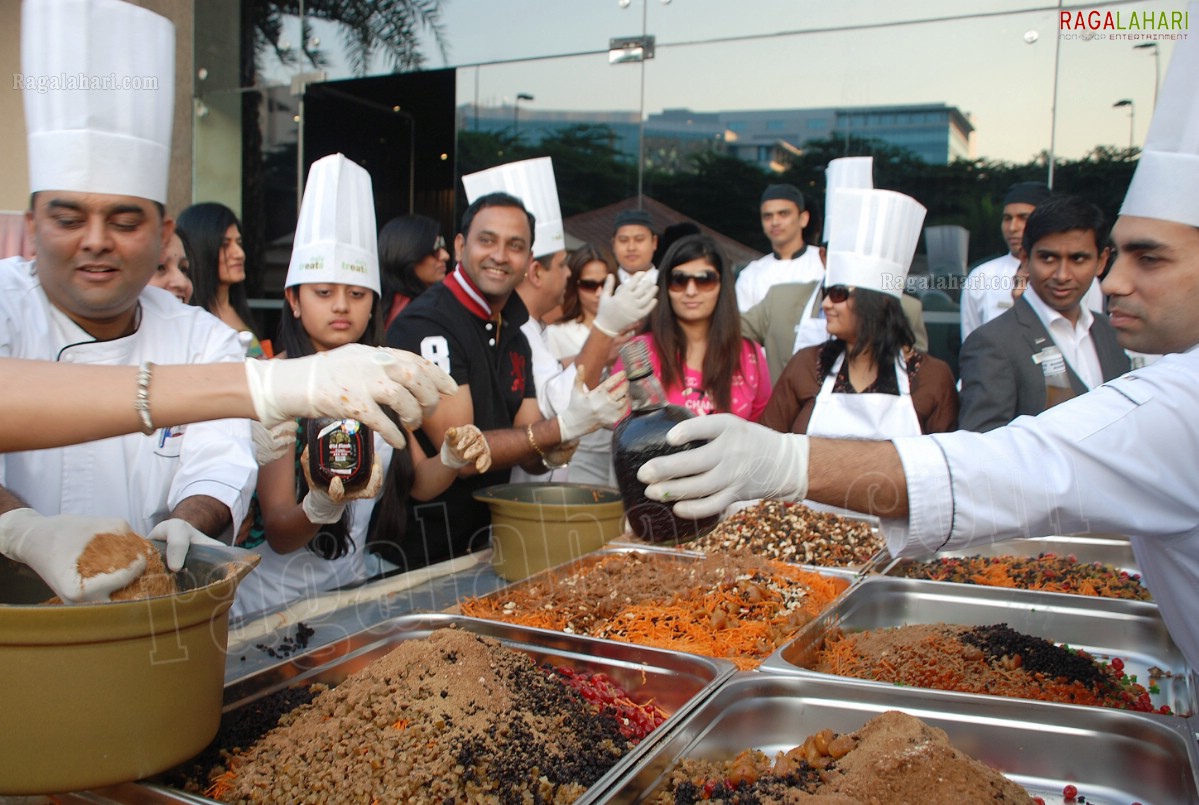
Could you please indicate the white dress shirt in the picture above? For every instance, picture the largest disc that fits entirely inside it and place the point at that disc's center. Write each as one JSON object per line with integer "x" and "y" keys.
{"x": 1121, "y": 459}
{"x": 1074, "y": 340}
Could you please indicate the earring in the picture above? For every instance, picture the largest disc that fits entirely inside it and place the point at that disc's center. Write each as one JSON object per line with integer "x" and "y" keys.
{"x": 295, "y": 312}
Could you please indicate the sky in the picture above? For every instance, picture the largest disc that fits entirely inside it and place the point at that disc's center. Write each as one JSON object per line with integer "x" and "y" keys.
{"x": 993, "y": 59}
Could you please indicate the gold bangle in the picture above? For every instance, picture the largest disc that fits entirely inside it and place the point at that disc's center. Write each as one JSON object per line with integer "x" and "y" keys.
{"x": 141, "y": 403}
{"x": 532, "y": 441}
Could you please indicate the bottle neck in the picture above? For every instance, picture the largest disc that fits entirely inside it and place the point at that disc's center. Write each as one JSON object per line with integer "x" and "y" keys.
{"x": 646, "y": 394}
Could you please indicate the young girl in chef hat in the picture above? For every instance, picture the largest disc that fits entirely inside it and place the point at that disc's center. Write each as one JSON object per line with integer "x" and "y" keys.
{"x": 314, "y": 543}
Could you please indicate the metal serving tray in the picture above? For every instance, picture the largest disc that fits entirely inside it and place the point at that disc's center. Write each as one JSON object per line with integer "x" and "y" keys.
{"x": 1085, "y": 548}
{"x": 676, "y": 682}
{"x": 1112, "y": 756}
{"x": 1130, "y": 630}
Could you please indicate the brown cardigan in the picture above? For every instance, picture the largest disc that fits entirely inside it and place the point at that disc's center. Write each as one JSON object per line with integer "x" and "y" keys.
{"x": 934, "y": 393}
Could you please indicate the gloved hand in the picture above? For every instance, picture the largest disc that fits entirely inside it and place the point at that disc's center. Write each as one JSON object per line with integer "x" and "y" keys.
{"x": 327, "y": 507}
{"x": 272, "y": 444}
{"x": 466, "y": 445}
{"x": 741, "y": 461}
{"x": 631, "y": 303}
{"x": 179, "y": 535}
{"x": 349, "y": 382}
{"x": 52, "y": 547}
{"x": 561, "y": 455}
{"x": 588, "y": 411}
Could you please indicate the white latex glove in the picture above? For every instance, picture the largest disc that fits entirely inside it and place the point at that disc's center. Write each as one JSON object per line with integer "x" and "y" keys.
{"x": 631, "y": 303}
{"x": 52, "y": 547}
{"x": 179, "y": 535}
{"x": 321, "y": 508}
{"x": 741, "y": 461}
{"x": 272, "y": 444}
{"x": 588, "y": 411}
{"x": 349, "y": 382}
{"x": 466, "y": 445}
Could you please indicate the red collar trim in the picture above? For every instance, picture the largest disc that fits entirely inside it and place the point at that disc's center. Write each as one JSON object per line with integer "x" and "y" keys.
{"x": 465, "y": 292}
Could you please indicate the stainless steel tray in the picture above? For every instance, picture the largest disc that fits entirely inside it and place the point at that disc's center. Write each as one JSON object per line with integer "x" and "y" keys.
{"x": 1084, "y": 547}
{"x": 676, "y": 682}
{"x": 1130, "y": 630}
{"x": 1112, "y": 756}
{"x": 876, "y": 564}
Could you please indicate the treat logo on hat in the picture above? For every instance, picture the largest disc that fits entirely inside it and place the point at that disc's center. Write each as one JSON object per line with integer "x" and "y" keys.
{"x": 315, "y": 264}
{"x": 354, "y": 267}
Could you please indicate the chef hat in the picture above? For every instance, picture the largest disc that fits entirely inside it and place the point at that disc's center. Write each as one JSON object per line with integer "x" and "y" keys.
{"x": 846, "y": 173}
{"x": 874, "y": 240}
{"x": 531, "y": 181}
{"x": 99, "y": 85}
{"x": 1165, "y": 184}
{"x": 335, "y": 236}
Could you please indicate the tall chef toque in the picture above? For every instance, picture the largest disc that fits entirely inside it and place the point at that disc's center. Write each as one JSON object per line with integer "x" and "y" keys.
{"x": 874, "y": 239}
{"x": 99, "y": 87}
{"x": 846, "y": 173}
{"x": 1165, "y": 184}
{"x": 336, "y": 240}
{"x": 531, "y": 181}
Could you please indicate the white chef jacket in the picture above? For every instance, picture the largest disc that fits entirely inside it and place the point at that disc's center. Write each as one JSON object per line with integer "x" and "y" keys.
{"x": 759, "y": 276}
{"x": 1123, "y": 458}
{"x": 136, "y": 477}
{"x": 624, "y": 275}
{"x": 988, "y": 293}
{"x": 282, "y": 578}
{"x": 553, "y": 385}
{"x": 592, "y": 461}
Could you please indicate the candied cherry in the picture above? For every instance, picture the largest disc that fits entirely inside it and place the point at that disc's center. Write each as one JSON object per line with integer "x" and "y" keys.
{"x": 1070, "y": 792}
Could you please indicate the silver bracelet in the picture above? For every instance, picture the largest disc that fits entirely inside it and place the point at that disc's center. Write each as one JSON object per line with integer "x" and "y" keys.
{"x": 142, "y": 402}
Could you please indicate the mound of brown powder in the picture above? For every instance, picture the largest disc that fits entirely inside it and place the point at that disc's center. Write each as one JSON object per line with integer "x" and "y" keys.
{"x": 454, "y": 718}
{"x": 108, "y": 552}
{"x": 894, "y": 759}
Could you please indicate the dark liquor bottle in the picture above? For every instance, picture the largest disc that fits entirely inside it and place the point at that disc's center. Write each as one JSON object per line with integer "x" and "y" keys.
{"x": 642, "y": 436}
{"x": 339, "y": 448}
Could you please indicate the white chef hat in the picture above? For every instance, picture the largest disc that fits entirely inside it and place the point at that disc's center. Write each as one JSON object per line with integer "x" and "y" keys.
{"x": 531, "y": 181}
{"x": 1165, "y": 184}
{"x": 874, "y": 240}
{"x": 846, "y": 173}
{"x": 336, "y": 240}
{"x": 99, "y": 86}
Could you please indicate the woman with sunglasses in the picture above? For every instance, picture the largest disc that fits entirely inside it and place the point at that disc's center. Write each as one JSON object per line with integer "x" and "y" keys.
{"x": 589, "y": 269}
{"x": 695, "y": 342}
{"x": 867, "y": 381}
{"x": 412, "y": 257}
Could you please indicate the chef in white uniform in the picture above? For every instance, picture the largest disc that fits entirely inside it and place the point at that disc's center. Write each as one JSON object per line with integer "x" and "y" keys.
{"x": 870, "y": 249}
{"x": 791, "y": 259}
{"x": 98, "y": 165}
{"x": 1122, "y": 458}
{"x": 847, "y": 173}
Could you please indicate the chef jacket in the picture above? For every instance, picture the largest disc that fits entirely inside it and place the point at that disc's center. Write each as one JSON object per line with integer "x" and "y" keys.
{"x": 759, "y": 276}
{"x": 136, "y": 477}
{"x": 554, "y": 385}
{"x": 1123, "y": 458}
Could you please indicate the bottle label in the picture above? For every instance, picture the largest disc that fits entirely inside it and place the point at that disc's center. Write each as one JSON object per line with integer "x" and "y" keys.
{"x": 1051, "y": 360}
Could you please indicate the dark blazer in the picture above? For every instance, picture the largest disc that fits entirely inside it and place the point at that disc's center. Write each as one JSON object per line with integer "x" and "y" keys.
{"x": 1000, "y": 381}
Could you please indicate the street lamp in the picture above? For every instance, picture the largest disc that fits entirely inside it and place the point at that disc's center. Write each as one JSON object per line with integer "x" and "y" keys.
{"x": 1157, "y": 65}
{"x": 520, "y": 96}
{"x": 636, "y": 49}
{"x": 1132, "y": 117}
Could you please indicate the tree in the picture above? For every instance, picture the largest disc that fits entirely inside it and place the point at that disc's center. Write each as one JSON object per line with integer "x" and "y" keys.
{"x": 720, "y": 191}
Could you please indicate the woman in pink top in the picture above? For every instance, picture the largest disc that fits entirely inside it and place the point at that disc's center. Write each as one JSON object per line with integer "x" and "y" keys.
{"x": 695, "y": 340}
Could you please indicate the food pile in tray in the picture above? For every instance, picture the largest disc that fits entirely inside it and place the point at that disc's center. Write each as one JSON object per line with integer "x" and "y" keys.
{"x": 995, "y": 660}
{"x": 792, "y": 532}
{"x": 1048, "y": 572}
{"x": 893, "y": 758}
{"x": 455, "y": 717}
{"x": 738, "y": 607}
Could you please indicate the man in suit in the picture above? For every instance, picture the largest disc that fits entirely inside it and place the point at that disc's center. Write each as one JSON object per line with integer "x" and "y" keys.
{"x": 1005, "y": 363}
{"x": 774, "y": 322}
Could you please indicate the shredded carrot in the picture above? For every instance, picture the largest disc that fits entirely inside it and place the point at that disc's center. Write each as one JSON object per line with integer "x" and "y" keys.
{"x": 1048, "y": 572}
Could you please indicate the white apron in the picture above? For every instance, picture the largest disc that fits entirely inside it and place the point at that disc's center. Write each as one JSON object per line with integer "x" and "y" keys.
{"x": 864, "y": 416}
{"x": 811, "y": 329}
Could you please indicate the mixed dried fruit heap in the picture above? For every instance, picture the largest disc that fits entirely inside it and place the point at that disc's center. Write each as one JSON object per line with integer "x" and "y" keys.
{"x": 456, "y": 717}
{"x": 894, "y": 759}
{"x": 995, "y": 660}
{"x": 1048, "y": 572}
{"x": 738, "y": 607}
{"x": 792, "y": 532}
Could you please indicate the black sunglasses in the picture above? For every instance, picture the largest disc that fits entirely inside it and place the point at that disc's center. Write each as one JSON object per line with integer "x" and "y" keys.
{"x": 703, "y": 282}
{"x": 838, "y": 293}
{"x": 590, "y": 285}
